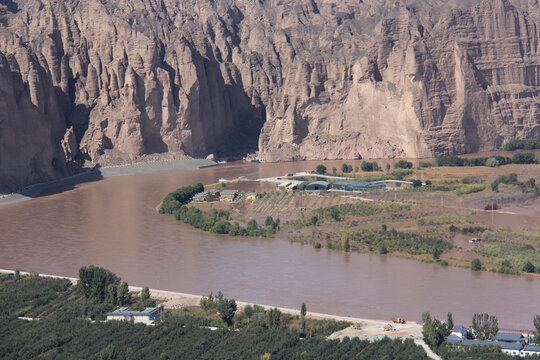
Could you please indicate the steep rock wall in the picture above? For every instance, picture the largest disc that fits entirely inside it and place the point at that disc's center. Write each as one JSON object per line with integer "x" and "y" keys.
{"x": 304, "y": 79}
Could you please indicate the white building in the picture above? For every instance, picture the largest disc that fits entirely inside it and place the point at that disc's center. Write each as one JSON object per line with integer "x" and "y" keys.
{"x": 530, "y": 350}
{"x": 147, "y": 316}
{"x": 459, "y": 331}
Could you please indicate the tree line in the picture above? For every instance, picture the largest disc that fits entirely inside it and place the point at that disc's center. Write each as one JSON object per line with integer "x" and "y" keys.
{"x": 63, "y": 332}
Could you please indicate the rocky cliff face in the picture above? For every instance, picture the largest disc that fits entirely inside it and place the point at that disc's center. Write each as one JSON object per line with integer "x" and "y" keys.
{"x": 298, "y": 79}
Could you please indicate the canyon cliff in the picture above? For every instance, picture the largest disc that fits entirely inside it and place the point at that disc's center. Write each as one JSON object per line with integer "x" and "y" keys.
{"x": 104, "y": 81}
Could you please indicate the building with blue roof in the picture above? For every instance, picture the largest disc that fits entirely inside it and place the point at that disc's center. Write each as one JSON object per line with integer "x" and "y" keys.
{"x": 459, "y": 331}
{"x": 318, "y": 186}
{"x": 147, "y": 316}
{"x": 509, "y": 337}
{"x": 358, "y": 185}
{"x": 530, "y": 350}
{"x": 509, "y": 343}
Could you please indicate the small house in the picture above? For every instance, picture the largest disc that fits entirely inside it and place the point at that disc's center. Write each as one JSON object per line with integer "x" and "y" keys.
{"x": 200, "y": 197}
{"x": 511, "y": 348}
{"x": 147, "y": 316}
{"x": 228, "y": 195}
{"x": 289, "y": 174}
{"x": 318, "y": 186}
{"x": 358, "y": 185}
{"x": 251, "y": 195}
{"x": 459, "y": 331}
{"x": 530, "y": 350}
{"x": 309, "y": 171}
{"x": 509, "y": 337}
{"x": 215, "y": 194}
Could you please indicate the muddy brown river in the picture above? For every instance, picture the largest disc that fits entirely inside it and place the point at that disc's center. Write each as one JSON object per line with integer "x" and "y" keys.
{"x": 113, "y": 223}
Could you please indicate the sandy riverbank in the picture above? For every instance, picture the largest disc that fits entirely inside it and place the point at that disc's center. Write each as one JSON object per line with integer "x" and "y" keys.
{"x": 368, "y": 328}
{"x": 95, "y": 174}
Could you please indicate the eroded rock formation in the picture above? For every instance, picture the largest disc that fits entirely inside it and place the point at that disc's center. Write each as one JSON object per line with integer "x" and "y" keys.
{"x": 298, "y": 79}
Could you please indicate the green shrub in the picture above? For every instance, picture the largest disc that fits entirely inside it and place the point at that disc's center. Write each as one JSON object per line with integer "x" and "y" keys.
{"x": 524, "y": 158}
{"x": 403, "y": 164}
{"x": 476, "y": 265}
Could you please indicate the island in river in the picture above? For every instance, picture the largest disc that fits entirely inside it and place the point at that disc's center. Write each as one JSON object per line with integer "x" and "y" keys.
{"x": 439, "y": 219}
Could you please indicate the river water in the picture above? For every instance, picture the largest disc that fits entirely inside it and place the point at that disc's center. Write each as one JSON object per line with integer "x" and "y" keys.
{"x": 113, "y": 223}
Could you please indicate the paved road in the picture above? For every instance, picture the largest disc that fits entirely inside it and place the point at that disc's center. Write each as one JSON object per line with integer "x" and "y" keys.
{"x": 429, "y": 352}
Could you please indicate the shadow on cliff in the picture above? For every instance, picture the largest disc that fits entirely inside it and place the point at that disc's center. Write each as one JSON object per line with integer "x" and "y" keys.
{"x": 10, "y": 5}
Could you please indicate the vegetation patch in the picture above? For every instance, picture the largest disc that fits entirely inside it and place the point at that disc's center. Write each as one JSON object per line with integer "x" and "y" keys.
{"x": 393, "y": 240}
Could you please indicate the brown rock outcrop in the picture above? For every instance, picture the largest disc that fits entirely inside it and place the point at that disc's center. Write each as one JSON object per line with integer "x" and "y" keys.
{"x": 297, "y": 79}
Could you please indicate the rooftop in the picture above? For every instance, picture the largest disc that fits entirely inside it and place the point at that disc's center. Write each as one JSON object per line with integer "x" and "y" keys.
{"x": 358, "y": 183}
{"x": 479, "y": 342}
{"x": 531, "y": 348}
{"x": 507, "y": 336}
{"x": 459, "y": 328}
{"x": 509, "y": 345}
{"x": 123, "y": 311}
{"x": 320, "y": 183}
{"x": 452, "y": 339}
{"x": 229, "y": 192}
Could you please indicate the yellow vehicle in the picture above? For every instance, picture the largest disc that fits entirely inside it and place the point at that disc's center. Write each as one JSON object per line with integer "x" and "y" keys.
{"x": 398, "y": 320}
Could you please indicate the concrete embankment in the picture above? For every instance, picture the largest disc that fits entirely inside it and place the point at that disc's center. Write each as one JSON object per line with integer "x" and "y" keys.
{"x": 95, "y": 174}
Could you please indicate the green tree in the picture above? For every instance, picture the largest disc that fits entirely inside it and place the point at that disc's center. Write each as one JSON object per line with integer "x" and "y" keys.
{"x": 433, "y": 331}
{"x": 485, "y": 326}
{"x": 345, "y": 168}
{"x": 388, "y": 167}
{"x": 536, "y": 322}
{"x": 403, "y": 164}
{"x": 145, "y": 294}
{"x": 345, "y": 242}
{"x": 449, "y": 322}
{"x": 226, "y": 308}
{"x": 123, "y": 293}
{"x": 303, "y": 311}
{"x": 417, "y": 183}
{"x": 334, "y": 170}
{"x": 320, "y": 169}
{"x": 334, "y": 214}
{"x": 17, "y": 275}
{"x": 476, "y": 265}
{"x": 528, "y": 267}
{"x": 94, "y": 282}
{"x": 109, "y": 353}
{"x": 248, "y": 311}
{"x": 273, "y": 318}
{"x": 221, "y": 227}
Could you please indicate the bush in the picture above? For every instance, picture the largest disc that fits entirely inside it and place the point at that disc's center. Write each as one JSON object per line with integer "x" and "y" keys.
{"x": 320, "y": 169}
{"x": 317, "y": 245}
{"x": 369, "y": 166}
{"x": 528, "y": 267}
{"x": 425, "y": 164}
{"x": 492, "y": 162}
{"x": 522, "y": 144}
{"x": 417, "y": 183}
{"x": 346, "y": 168}
{"x": 403, "y": 164}
{"x": 476, "y": 265}
{"x": 524, "y": 158}
{"x": 179, "y": 197}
